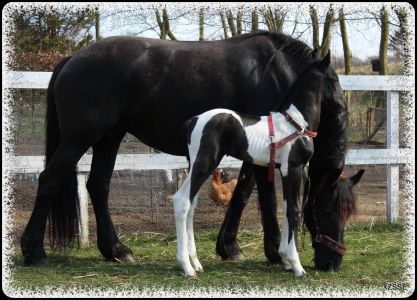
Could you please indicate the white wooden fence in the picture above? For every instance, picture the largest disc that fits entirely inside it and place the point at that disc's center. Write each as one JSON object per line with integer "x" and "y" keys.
{"x": 392, "y": 156}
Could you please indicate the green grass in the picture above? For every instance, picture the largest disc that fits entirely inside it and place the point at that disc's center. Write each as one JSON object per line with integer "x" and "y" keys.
{"x": 374, "y": 259}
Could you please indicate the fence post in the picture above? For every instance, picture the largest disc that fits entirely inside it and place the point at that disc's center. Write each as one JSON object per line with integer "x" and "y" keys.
{"x": 393, "y": 120}
{"x": 83, "y": 216}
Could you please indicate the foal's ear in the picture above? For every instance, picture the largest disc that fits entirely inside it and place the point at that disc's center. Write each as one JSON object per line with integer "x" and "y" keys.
{"x": 355, "y": 178}
{"x": 326, "y": 60}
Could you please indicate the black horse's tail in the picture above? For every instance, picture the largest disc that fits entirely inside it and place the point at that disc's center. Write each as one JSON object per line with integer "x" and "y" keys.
{"x": 63, "y": 214}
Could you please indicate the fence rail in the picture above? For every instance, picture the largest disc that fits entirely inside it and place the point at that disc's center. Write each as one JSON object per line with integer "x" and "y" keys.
{"x": 40, "y": 80}
{"x": 392, "y": 157}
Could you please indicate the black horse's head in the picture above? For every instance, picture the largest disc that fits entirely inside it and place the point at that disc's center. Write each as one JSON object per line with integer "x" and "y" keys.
{"x": 325, "y": 215}
{"x": 330, "y": 198}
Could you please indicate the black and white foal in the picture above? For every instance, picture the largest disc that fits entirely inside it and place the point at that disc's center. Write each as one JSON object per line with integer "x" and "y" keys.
{"x": 220, "y": 132}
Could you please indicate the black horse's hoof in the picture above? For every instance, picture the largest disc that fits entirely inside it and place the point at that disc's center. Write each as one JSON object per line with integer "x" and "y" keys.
{"x": 237, "y": 257}
{"x": 229, "y": 251}
{"x": 35, "y": 262}
{"x": 127, "y": 259}
{"x": 117, "y": 253}
{"x": 33, "y": 252}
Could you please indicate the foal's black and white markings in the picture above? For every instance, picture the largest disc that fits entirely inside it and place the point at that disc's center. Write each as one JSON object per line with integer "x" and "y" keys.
{"x": 220, "y": 132}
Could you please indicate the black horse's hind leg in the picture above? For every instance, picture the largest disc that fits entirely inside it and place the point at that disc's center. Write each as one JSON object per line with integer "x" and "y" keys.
{"x": 226, "y": 245}
{"x": 104, "y": 157}
{"x": 51, "y": 180}
{"x": 268, "y": 204}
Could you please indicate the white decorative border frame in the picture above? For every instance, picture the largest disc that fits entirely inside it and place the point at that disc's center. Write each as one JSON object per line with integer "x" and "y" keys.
{"x": 7, "y": 211}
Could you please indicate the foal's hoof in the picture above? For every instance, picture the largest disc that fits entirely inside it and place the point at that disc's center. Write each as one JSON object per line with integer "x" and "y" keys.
{"x": 127, "y": 259}
{"x": 199, "y": 269}
{"x": 300, "y": 274}
{"x": 191, "y": 275}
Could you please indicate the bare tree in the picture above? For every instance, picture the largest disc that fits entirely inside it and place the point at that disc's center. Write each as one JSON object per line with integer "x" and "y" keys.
{"x": 383, "y": 46}
{"x": 274, "y": 19}
{"x": 255, "y": 19}
{"x": 327, "y": 30}
{"x": 231, "y": 23}
{"x": 398, "y": 41}
{"x": 97, "y": 26}
{"x": 163, "y": 24}
{"x": 239, "y": 21}
{"x": 224, "y": 24}
{"x": 201, "y": 24}
{"x": 345, "y": 41}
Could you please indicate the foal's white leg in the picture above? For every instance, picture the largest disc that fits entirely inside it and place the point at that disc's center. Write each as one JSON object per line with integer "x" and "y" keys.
{"x": 288, "y": 251}
{"x": 181, "y": 208}
{"x": 192, "y": 251}
{"x": 283, "y": 245}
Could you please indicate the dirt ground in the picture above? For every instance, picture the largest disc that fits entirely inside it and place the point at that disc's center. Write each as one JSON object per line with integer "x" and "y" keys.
{"x": 136, "y": 203}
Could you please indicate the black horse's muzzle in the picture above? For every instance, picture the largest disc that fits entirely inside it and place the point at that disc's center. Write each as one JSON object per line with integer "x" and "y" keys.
{"x": 328, "y": 256}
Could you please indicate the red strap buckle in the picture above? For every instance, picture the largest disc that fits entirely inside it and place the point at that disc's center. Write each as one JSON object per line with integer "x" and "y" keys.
{"x": 274, "y": 145}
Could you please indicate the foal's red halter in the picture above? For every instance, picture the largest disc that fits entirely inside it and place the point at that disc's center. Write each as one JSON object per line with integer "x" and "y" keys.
{"x": 275, "y": 145}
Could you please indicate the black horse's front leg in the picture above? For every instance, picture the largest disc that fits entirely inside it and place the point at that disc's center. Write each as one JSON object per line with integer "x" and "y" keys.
{"x": 227, "y": 246}
{"x": 104, "y": 157}
{"x": 268, "y": 205}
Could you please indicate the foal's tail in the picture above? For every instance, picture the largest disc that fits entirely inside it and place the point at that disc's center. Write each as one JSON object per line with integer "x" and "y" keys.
{"x": 63, "y": 213}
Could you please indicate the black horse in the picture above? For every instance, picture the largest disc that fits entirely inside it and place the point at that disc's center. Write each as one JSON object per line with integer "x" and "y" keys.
{"x": 149, "y": 88}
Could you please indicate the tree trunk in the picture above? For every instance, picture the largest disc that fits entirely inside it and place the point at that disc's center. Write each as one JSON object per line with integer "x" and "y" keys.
{"x": 279, "y": 19}
{"x": 166, "y": 23}
{"x": 345, "y": 40}
{"x": 346, "y": 50}
{"x": 315, "y": 23}
{"x": 97, "y": 26}
{"x": 383, "y": 47}
{"x": 239, "y": 21}
{"x": 201, "y": 24}
{"x": 224, "y": 25}
{"x": 327, "y": 31}
{"x": 161, "y": 25}
{"x": 274, "y": 19}
{"x": 255, "y": 20}
{"x": 231, "y": 22}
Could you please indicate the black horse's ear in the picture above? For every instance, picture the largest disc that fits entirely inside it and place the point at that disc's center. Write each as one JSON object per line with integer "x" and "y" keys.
{"x": 326, "y": 60}
{"x": 315, "y": 53}
{"x": 355, "y": 178}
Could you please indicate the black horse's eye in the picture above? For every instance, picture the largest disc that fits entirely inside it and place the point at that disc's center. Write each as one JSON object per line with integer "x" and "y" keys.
{"x": 332, "y": 77}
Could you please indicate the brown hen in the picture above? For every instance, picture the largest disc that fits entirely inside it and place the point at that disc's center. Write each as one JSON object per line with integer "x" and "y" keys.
{"x": 220, "y": 192}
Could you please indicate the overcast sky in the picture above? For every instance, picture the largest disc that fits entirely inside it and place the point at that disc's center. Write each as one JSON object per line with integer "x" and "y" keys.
{"x": 364, "y": 35}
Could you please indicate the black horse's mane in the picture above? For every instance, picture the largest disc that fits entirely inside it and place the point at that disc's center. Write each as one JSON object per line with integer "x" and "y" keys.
{"x": 345, "y": 200}
{"x": 298, "y": 51}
